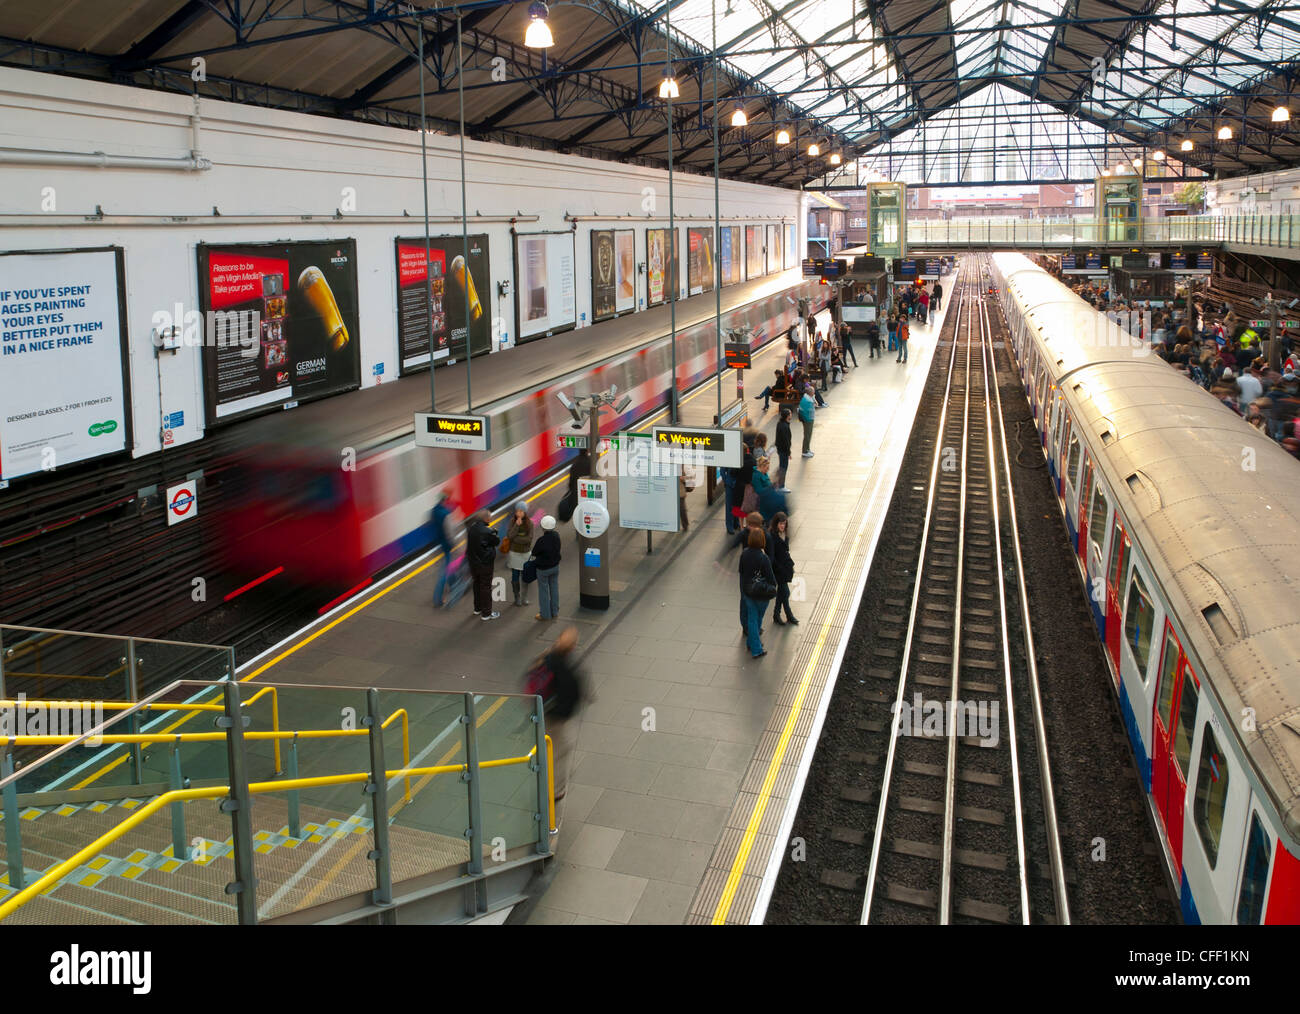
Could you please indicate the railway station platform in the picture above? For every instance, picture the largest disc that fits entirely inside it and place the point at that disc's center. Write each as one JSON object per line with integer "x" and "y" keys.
{"x": 688, "y": 751}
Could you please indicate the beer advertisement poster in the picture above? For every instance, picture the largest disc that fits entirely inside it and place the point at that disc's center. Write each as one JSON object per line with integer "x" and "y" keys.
{"x": 625, "y": 250}
{"x": 660, "y": 273}
{"x": 753, "y": 251}
{"x": 64, "y": 395}
{"x": 604, "y": 283}
{"x": 699, "y": 260}
{"x": 436, "y": 296}
{"x": 546, "y": 291}
{"x": 280, "y": 324}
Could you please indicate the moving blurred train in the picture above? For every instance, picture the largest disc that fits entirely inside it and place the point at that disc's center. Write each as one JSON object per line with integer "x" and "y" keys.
{"x": 328, "y": 497}
{"x": 1186, "y": 526}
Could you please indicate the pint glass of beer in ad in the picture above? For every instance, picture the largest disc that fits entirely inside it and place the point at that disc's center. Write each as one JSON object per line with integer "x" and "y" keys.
{"x": 317, "y": 292}
{"x": 465, "y": 280}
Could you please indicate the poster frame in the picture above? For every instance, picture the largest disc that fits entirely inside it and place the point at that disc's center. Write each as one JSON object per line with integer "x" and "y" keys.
{"x": 402, "y": 369}
{"x": 515, "y": 236}
{"x": 124, "y": 357}
{"x": 672, "y": 271}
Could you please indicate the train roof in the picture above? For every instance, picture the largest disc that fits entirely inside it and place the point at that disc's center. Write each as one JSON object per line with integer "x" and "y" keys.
{"x": 1215, "y": 506}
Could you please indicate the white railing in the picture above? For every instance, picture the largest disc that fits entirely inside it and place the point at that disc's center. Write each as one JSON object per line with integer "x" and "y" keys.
{"x": 1245, "y": 230}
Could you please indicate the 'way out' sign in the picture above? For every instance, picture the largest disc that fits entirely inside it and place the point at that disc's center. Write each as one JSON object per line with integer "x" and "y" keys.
{"x": 680, "y": 445}
{"x": 459, "y": 432}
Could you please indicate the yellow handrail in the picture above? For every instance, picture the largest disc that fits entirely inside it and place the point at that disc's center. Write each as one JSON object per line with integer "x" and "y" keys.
{"x": 61, "y": 870}
{"x": 406, "y": 745}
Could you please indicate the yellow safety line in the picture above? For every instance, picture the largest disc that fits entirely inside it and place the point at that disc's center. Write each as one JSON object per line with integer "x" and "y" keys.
{"x": 778, "y": 755}
{"x": 350, "y": 854}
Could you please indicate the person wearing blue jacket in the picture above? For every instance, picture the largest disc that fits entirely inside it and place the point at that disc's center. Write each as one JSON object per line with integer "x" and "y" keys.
{"x": 807, "y": 412}
{"x": 442, "y": 513}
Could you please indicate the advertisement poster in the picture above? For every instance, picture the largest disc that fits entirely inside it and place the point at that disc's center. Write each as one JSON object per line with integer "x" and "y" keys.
{"x": 546, "y": 293}
{"x": 604, "y": 282}
{"x": 753, "y": 251}
{"x": 63, "y": 390}
{"x": 452, "y": 275}
{"x": 660, "y": 272}
{"x": 730, "y": 254}
{"x": 790, "y": 243}
{"x": 699, "y": 260}
{"x": 773, "y": 248}
{"x": 625, "y": 248}
{"x": 280, "y": 324}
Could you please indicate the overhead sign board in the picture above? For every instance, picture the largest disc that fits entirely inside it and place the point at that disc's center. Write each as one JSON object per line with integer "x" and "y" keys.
{"x": 1067, "y": 262}
{"x": 456, "y": 432}
{"x": 680, "y": 445}
{"x": 1288, "y": 325}
{"x": 811, "y": 268}
{"x": 738, "y": 356}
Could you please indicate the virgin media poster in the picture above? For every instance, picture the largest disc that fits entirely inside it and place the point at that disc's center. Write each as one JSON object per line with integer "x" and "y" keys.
{"x": 280, "y": 324}
{"x": 434, "y": 298}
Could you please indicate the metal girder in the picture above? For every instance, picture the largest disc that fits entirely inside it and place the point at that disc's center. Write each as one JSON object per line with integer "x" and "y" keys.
{"x": 172, "y": 28}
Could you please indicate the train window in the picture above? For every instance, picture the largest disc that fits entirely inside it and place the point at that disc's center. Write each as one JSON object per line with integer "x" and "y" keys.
{"x": 1168, "y": 670}
{"x": 1119, "y": 554}
{"x": 1139, "y": 614}
{"x": 1072, "y": 467}
{"x": 1211, "y": 795}
{"x": 1186, "y": 721}
{"x": 1254, "y": 875}
{"x": 1097, "y": 519}
{"x": 1042, "y": 389}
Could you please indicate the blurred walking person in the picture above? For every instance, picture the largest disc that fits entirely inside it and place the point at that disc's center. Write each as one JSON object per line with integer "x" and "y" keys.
{"x": 555, "y": 678}
{"x": 442, "y": 513}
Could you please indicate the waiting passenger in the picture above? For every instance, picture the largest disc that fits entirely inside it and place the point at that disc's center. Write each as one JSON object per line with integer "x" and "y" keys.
{"x": 546, "y": 557}
{"x": 757, "y": 588}
{"x": 807, "y": 413}
{"x": 778, "y": 548}
{"x": 517, "y": 545}
{"x": 783, "y": 442}
{"x": 481, "y": 553}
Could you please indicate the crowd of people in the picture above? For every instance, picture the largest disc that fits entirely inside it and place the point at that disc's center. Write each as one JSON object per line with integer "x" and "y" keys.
{"x": 1207, "y": 341}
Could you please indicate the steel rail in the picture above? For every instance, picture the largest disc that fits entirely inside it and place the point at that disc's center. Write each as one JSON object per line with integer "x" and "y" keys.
{"x": 894, "y": 729}
{"x": 1031, "y": 664}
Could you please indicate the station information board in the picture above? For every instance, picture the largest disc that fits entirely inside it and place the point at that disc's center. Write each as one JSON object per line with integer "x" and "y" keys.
{"x": 647, "y": 490}
{"x": 457, "y": 432}
{"x": 680, "y": 445}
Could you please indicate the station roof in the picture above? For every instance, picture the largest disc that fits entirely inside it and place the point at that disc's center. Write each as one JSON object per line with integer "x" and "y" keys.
{"x": 856, "y": 77}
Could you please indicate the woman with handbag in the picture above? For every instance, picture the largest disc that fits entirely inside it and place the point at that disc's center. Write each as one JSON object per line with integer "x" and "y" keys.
{"x": 546, "y": 559}
{"x": 778, "y": 548}
{"x": 516, "y": 546}
{"x": 757, "y": 588}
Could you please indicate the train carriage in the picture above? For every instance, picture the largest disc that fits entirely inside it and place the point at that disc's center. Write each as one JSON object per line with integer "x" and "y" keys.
{"x": 1186, "y": 528}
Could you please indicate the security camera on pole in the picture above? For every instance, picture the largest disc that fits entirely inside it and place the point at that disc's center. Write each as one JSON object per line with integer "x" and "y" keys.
{"x": 591, "y": 516}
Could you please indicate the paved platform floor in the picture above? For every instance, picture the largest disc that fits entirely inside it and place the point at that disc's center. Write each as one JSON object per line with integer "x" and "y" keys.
{"x": 670, "y": 751}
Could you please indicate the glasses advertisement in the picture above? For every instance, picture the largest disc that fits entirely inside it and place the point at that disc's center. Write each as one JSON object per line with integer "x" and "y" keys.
{"x": 283, "y": 324}
{"x": 63, "y": 386}
{"x": 660, "y": 273}
{"x": 455, "y": 278}
{"x": 545, "y": 296}
{"x": 699, "y": 260}
{"x": 753, "y": 251}
{"x": 773, "y": 248}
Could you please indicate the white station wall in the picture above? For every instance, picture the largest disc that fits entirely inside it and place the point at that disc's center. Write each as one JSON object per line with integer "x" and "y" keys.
{"x": 280, "y": 166}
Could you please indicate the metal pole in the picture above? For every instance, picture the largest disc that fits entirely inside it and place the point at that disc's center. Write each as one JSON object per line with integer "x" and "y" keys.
{"x": 475, "y": 830}
{"x": 133, "y": 695}
{"x": 13, "y": 826}
{"x": 424, "y": 173}
{"x": 179, "y": 848}
{"x": 377, "y": 788}
{"x": 239, "y": 805}
{"x": 717, "y": 216}
{"x": 464, "y": 210}
{"x": 1274, "y": 343}
{"x": 543, "y": 782}
{"x": 672, "y": 227}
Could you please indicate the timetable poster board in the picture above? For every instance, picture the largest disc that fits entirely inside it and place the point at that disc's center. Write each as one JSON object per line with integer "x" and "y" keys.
{"x": 625, "y": 263}
{"x": 753, "y": 251}
{"x": 790, "y": 243}
{"x": 63, "y": 359}
{"x": 661, "y": 270}
{"x": 546, "y": 294}
{"x": 773, "y": 248}
{"x": 699, "y": 261}
{"x": 284, "y": 324}
{"x": 603, "y": 274}
{"x": 432, "y": 296}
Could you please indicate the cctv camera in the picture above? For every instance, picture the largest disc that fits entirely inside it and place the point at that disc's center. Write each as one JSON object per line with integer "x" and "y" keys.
{"x": 564, "y": 401}
{"x": 623, "y": 404}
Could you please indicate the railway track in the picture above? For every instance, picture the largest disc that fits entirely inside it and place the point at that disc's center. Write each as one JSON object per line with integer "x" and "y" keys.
{"x": 949, "y": 739}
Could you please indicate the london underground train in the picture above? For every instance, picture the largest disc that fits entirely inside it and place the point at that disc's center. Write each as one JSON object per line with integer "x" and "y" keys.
{"x": 1185, "y": 523}
{"x": 328, "y": 495}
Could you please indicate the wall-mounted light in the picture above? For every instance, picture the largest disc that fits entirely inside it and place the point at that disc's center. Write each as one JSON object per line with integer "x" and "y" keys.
{"x": 783, "y": 137}
{"x": 538, "y": 35}
{"x": 738, "y": 118}
{"x": 668, "y": 86}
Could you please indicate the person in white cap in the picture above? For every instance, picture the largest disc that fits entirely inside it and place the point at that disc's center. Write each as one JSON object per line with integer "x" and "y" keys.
{"x": 546, "y": 555}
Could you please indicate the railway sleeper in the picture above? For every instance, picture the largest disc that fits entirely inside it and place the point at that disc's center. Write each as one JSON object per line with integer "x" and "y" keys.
{"x": 967, "y": 857}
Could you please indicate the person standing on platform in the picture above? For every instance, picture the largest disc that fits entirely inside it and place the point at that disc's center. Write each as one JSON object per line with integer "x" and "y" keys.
{"x": 873, "y": 339}
{"x": 546, "y": 557}
{"x": 754, "y": 564}
{"x": 807, "y": 413}
{"x": 923, "y": 302}
{"x": 561, "y": 689}
{"x": 481, "y": 551}
{"x": 892, "y": 325}
{"x": 778, "y": 548}
{"x": 846, "y": 343}
{"x": 442, "y": 513}
{"x": 824, "y": 361}
{"x": 936, "y": 300}
{"x": 519, "y": 542}
{"x": 784, "y": 439}
{"x": 904, "y": 332}
{"x": 580, "y": 469}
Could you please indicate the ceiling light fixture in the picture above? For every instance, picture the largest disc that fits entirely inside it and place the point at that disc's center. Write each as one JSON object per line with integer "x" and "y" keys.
{"x": 1187, "y": 145}
{"x": 668, "y": 86}
{"x": 1158, "y": 155}
{"x": 783, "y": 137}
{"x": 1281, "y": 114}
{"x": 835, "y": 158}
{"x": 738, "y": 118}
{"x": 1225, "y": 133}
{"x": 538, "y": 35}
{"x": 813, "y": 150}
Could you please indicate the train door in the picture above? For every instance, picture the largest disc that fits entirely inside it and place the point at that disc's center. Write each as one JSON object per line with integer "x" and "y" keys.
{"x": 1054, "y": 447}
{"x": 1172, "y": 730}
{"x": 1070, "y": 486}
{"x": 1116, "y": 572}
{"x": 1094, "y": 558}
{"x": 1081, "y": 509}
